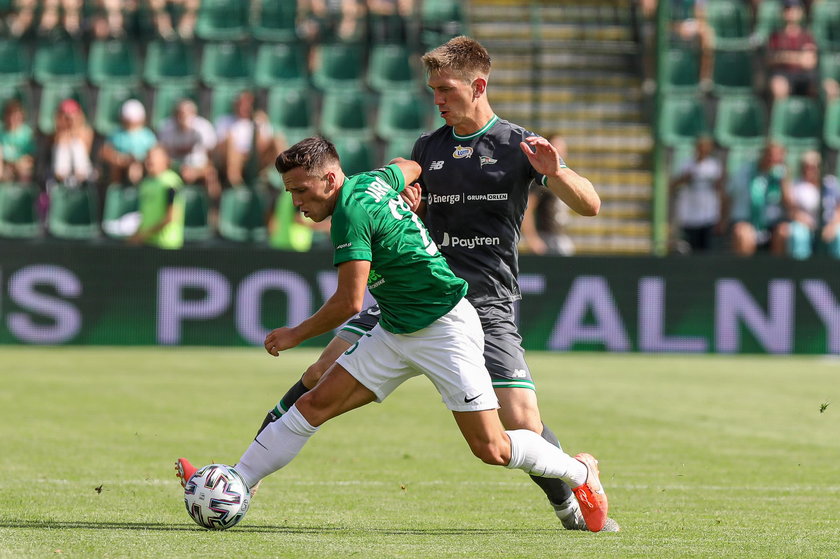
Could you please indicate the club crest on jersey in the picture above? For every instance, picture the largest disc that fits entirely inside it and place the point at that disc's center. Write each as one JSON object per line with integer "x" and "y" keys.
{"x": 461, "y": 152}
{"x": 486, "y": 160}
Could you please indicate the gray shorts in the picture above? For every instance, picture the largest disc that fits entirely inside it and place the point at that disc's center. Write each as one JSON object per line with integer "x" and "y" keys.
{"x": 504, "y": 356}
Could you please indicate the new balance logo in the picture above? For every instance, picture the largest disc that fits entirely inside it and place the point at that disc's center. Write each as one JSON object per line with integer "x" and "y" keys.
{"x": 436, "y": 166}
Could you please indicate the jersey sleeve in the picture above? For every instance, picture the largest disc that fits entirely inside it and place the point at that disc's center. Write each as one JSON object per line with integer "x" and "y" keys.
{"x": 392, "y": 175}
{"x": 351, "y": 231}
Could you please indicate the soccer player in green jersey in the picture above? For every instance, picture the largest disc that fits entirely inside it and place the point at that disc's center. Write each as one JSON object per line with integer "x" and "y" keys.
{"x": 427, "y": 327}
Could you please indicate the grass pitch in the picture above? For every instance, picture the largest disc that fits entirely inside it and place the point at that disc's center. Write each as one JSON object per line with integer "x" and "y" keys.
{"x": 701, "y": 457}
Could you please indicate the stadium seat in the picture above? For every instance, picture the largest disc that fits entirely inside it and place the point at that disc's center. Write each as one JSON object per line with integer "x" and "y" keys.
{"x": 170, "y": 63}
{"x": 113, "y": 62}
{"x": 390, "y": 68}
{"x": 119, "y": 201}
{"x": 831, "y": 132}
{"x": 796, "y": 122}
{"x": 345, "y": 114}
{"x": 825, "y": 24}
{"x": 681, "y": 120}
{"x": 398, "y": 147}
{"x": 340, "y": 65}
{"x": 829, "y": 69}
{"x": 222, "y": 20}
{"x": 356, "y": 155}
{"x": 741, "y": 121}
{"x": 51, "y": 96}
{"x": 274, "y": 20}
{"x": 733, "y": 72}
{"x": 109, "y": 101}
{"x": 72, "y": 213}
{"x": 165, "y": 98}
{"x": 731, "y": 23}
{"x": 242, "y": 215}
{"x": 281, "y": 64}
{"x": 226, "y": 64}
{"x": 290, "y": 111}
{"x": 221, "y": 100}
{"x": 682, "y": 68}
{"x": 14, "y": 63}
{"x": 402, "y": 113}
{"x": 441, "y": 20}
{"x": 18, "y": 215}
{"x": 768, "y": 19}
{"x": 196, "y": 213}
{"x": 60, "y": 61}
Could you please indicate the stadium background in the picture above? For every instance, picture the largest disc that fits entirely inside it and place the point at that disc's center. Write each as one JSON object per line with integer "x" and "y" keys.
{"x": 571, "y": 67}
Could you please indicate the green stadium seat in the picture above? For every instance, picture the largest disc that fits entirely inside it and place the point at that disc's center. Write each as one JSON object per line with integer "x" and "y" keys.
{"x": 290, "y": 111}
{"x": 170, "y": 63}
{"x": 242, "y": 215}
{"x": 14, "y": 63}
{"x": 60, "y": 61}
{"x": 741, "y": 121}
{"x": 165, "y": 99}
{"x": 398, "y": 147}
{"x": 829, "y": 69}
{"x": 281, "y": 64}
{"x": 341, "y": 65}
{"x": 51, "y": 96}
{"x": 733, "y": 72}
{"x": 72, "y": 213}
{"x": 390, "y": 68}
{"x": 222, "y": 20}
{"x": 731, "y": 23}
{"x": 109, "y": 101}
{"x": 441, "y": 20}
{"x": 113, "y": 62}
{"x": 681, "y": 120}
{"x": 768, "y": 19}
{"x": 356, "y": 155}
{"x": 402, "y": 113}
{"x": 197, "y": 226}
{"x": 796, "y": 122}
{"x": 825, "y": 25}
{"x": 831, "y": 132}
{"x": 345, "y": 114}
{"x": 18, "y": 213}
{"x": 682, "y": 71}
{"x": 119, "y": 201}
{"x": 274, "y": 20}
{"x": 221, "y": 100}
{"x": 226, "y": 64}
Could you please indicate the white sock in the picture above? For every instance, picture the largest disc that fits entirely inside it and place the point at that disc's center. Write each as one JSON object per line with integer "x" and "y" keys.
{"x": 275, "y": 447}
{"x": 537, "y": 457}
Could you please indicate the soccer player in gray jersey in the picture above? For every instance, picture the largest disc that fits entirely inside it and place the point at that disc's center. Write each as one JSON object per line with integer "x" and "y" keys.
{"x": 476, "y": 173}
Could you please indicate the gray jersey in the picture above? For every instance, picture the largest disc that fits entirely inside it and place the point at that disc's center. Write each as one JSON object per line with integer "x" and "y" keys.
{"x": 476, "y": 191}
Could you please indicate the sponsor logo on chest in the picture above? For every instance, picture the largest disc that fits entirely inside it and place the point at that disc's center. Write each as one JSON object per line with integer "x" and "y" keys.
{"x": 461, "y": 152}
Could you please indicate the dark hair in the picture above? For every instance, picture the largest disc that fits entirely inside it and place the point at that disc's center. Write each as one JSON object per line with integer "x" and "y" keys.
{"x": 460, "y": 54}
{"x": 313, "y": 154}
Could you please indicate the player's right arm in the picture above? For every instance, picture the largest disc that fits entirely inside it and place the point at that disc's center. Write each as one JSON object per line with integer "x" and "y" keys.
{"x": 344, "y": 303}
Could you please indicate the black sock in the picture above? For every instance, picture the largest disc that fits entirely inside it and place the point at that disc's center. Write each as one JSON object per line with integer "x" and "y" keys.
{"x": 556, "y": 490}
{"x": 286, "y": 402}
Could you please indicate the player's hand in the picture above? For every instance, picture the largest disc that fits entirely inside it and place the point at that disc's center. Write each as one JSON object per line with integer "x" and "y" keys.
{"x": 412, "y": 194}
{"x": 280, "y": 339}
{"x": 544, "y": 157}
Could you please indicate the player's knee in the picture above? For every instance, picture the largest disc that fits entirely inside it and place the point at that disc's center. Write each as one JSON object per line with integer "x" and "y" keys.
{"x": 313, "y": 373}
{"x": 314, "y": 408}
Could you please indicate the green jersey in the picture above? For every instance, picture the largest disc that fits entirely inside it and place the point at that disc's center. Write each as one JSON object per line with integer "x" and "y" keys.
{"x": 409, "y": 278}
{"x": 156, "y": 194}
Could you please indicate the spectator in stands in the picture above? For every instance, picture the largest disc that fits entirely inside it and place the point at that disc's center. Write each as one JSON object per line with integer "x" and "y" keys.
{"x": 696, "y": 193}
{"x": 326, "y": 21}
{"x": 807, "y": 195}
{"x": 246, "y": 143}
{"x": 70, "y": 146}
{"x": 125, "y": 149}
{"x": 189, "y": 140}
{"x": 758, "y": 209}
{"x": 546, "y": 216}
{"x": 792, "y": 55}
{"x": 388, "y": 20}
{"x": 185, "y": 27}
{"x": 161, "y": 211}
{"x": 17, "y": 144}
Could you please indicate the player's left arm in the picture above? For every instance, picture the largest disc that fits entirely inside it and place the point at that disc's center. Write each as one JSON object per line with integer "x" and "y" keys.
{"x": 344, "y": 303}
{"x": 576, "y": 191}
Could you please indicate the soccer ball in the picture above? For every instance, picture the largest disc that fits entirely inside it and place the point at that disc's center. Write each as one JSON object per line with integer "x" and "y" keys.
{"x": 217, "y": 497}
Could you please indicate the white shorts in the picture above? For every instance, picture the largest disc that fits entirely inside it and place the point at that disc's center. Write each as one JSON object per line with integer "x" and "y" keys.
{"x": 450, "y": 352}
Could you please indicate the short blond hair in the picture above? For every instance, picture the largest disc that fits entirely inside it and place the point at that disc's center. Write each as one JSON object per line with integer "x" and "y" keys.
{"x": 462, "y": 55}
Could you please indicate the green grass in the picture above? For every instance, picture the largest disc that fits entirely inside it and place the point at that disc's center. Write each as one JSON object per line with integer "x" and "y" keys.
{"x": 701, "y": 456}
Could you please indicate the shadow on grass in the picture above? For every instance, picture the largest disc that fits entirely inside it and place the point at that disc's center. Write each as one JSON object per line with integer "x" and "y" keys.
{"x": 163, "y": 527}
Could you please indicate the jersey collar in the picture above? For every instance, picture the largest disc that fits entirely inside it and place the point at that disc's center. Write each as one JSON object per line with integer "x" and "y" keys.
{"x": 483, "y": 129}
